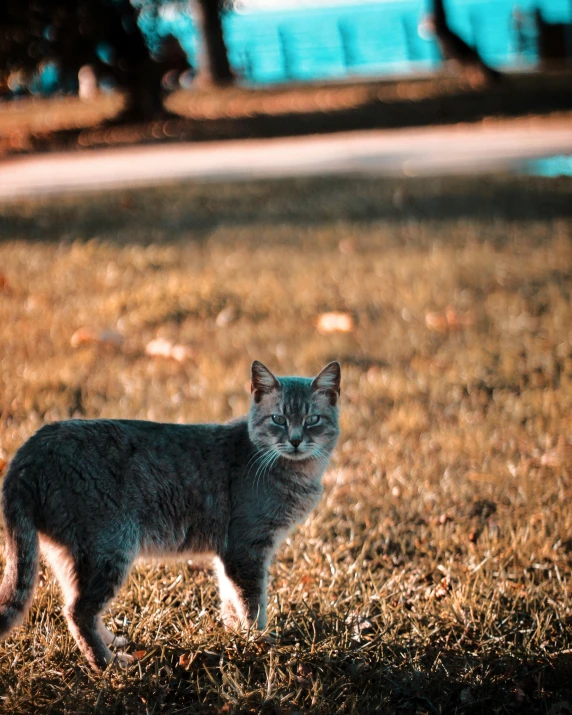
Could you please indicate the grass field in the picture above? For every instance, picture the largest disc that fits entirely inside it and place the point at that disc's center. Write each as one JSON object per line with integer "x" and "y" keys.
{"x": 436, "y": 574}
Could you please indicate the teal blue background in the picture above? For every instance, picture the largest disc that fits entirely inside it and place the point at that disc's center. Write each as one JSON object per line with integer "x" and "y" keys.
{"x": 381, "y": 38}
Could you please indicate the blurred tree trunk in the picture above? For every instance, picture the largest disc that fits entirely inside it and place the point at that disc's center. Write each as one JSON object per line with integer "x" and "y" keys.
{"x": 70, "y": 34}
{"x": 143, "y": 96}
{"x": 554, "y": 41}
{"x": 453, "y": 47}
{"x": 134, "y": 69}
{"x": 440, "y": 16}
{"x": 214, "y": 67}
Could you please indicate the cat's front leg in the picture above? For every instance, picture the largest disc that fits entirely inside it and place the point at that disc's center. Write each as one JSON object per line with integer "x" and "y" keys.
{"x": 242, "y": 585}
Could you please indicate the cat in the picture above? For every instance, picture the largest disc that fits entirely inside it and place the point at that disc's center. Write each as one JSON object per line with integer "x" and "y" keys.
{"x": 95, "y": 494}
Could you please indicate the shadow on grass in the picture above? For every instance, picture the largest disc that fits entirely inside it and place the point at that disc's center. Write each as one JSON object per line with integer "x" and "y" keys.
{"x": 385, "y": 105}
{"x": 296, "y": 675}
{"x": 191, "y": 213}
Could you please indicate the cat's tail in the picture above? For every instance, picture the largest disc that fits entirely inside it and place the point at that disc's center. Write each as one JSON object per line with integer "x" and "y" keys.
{"x": 21, "y": 550}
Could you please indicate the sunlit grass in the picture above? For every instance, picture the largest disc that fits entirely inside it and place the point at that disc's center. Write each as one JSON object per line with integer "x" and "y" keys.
{"x": 32, "y": 124}
{"x": 435, "y": 574}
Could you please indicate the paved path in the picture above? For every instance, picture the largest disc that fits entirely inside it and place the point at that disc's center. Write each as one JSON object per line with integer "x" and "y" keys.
{"x": 425, "y": 151}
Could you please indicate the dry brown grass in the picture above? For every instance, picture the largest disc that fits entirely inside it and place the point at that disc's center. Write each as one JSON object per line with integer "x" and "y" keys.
{"x": 435, "y": 576}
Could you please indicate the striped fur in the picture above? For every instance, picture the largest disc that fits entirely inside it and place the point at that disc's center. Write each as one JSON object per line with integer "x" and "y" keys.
{"x": 94, "y": 495}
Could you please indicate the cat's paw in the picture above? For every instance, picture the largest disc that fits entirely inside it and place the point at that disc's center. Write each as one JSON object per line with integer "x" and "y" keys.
{"x": 119, "y": 641}
{"x": 230, "y": 619}
{"x": 232, "y": 624}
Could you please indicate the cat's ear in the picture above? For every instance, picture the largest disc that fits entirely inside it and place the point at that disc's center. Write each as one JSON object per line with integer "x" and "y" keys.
{"x": 263, "y": 381}
{"x": 328, "y": 381}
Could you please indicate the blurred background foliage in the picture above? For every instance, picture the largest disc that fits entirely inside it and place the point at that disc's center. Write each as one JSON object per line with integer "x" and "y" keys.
{"x": 149, "y": 47}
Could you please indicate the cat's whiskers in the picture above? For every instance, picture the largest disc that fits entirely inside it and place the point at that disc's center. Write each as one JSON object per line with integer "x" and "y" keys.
{"x": 321, "y": 456}
{"x": 260, "y": 459}
{"x": 260, "y": 466}
{"x": 271, "y": 463}
{"x": 254, "y": 458}
{"x": 266, "y": 462}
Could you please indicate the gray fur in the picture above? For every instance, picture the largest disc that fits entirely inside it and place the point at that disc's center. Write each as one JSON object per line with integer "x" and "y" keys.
{"x": 96, "y": 494}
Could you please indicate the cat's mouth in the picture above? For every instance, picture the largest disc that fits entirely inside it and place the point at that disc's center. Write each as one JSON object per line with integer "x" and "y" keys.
{"x": 296, "y": 454}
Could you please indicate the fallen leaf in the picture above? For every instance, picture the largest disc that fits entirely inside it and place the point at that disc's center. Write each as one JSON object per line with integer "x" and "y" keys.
{"x": 164, "y": 348}
{"x": 138, "y": 654}
{"x": 185, "y": 660}
{"x": 450, "y": 320}
{"x": 82, "y": 336}
{"x": 436, "y": 322}
{"x": 225, "y": 317}
{"x": 86, "y": 335}
{"x": 335, "y": 322}
{"x": 159, "y": 348}
{"x": 457, "y": 321}
{"x": 181, "y": 352}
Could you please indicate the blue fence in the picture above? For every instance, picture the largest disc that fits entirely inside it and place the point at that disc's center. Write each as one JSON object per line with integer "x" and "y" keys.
{"x": 373, "y": 38}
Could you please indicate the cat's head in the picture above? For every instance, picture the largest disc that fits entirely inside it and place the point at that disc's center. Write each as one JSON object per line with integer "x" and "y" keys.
{"x": 295, "y": 416}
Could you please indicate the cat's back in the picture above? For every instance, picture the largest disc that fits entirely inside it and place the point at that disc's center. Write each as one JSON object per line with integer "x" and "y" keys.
{"x": 114, "y": 436}
{"x": 104, "y": 471}
{"x": 113, "y": 448}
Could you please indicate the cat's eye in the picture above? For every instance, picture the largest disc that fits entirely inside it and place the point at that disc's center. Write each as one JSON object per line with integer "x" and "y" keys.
{"x": 279, "y": 420}
{"x": 312, "y": 420}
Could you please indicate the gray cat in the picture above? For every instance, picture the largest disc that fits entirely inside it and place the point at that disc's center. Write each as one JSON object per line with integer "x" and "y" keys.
{"x": 95, "y": 494}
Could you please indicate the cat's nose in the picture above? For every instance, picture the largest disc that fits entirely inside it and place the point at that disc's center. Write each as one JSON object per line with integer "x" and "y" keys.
{"x": 295, "y": 443}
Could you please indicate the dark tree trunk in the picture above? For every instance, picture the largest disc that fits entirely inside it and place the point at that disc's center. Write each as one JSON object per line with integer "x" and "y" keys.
{"x": 134, "y": 69}
{"x": 453, "y": 47}
{"x": 553, "y": 41}
{"x": 143, "y": 98}
{"x": 440, "y": 16}
{"x": 71, "y": 34}
{"x": 214, "y": 67}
